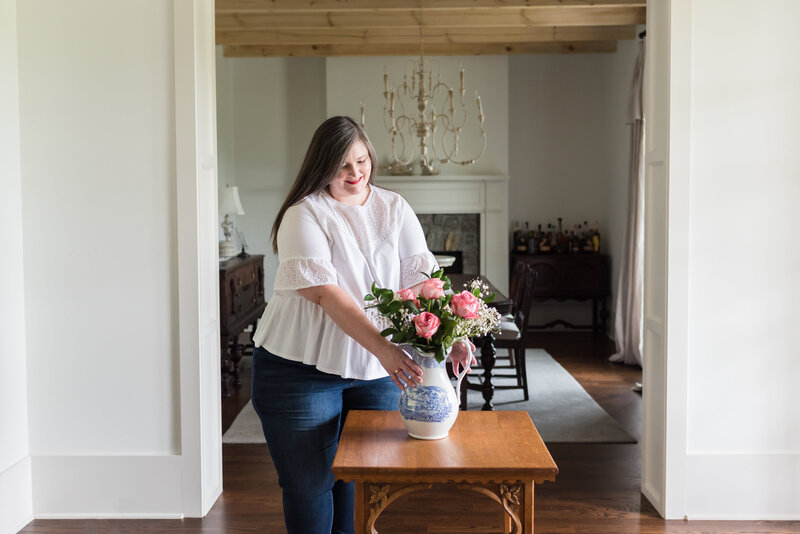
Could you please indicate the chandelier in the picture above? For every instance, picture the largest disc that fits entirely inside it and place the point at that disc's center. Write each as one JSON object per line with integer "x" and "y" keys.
{"x": 430, "y": 111}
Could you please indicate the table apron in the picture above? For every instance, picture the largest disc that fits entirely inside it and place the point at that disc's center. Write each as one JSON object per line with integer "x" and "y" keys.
{"x": 373, "y": 496}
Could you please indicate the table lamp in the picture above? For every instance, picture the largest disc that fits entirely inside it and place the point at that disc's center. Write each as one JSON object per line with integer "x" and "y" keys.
{"x": 229, "y": 204}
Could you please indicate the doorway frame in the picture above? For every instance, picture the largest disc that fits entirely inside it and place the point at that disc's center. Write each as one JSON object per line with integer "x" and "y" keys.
{"x": 667, "y": 97}
{"x": 668, "y": 151}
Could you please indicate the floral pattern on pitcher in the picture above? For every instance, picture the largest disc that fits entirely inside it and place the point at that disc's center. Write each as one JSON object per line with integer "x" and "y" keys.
{"x": 431, "y": 404}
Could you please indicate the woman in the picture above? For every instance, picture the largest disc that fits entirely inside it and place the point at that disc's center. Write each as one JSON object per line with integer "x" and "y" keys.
{"x": 318, "y": 354}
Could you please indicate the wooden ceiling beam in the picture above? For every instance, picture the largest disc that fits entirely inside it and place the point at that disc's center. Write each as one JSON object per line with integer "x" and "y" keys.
{"x": 230, "y": 6}
{"x": 452, "y": 18}
{"x": 432, "y": 35}
{"x": 560, "y": 47}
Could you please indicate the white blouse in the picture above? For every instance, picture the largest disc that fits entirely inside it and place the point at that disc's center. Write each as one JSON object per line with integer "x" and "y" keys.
{"x": 322, "y": 241}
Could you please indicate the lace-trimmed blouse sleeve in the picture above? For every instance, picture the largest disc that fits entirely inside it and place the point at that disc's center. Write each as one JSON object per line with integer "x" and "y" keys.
{"x": 415, "y": 258}
{"x": 304, "y": 251}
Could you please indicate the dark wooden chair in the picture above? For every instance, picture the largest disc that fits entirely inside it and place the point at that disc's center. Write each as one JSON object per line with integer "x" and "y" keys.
{"x": 509, "y": 323}
{"x": 512, "y": 338}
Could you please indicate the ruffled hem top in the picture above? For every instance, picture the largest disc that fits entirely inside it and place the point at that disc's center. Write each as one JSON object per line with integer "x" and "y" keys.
{"x": 322, "y": 241}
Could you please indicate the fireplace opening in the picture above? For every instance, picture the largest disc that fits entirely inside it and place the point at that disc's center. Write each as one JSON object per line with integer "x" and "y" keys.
{"x": 454, "y": 234}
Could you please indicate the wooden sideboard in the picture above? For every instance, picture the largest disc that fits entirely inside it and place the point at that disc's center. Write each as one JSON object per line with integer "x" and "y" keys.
{"x": 241, "y": 302}
{"x": 582, "y": 277}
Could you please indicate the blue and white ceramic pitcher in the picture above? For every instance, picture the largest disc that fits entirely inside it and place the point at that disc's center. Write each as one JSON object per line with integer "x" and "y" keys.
{"x": 430, "y": 409}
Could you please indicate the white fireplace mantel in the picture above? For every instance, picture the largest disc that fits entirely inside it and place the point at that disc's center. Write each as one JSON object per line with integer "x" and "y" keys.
{"x": 486, "y": 195}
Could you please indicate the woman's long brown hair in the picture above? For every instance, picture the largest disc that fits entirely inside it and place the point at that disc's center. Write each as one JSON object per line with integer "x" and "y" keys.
{"x": 325, "y": 156}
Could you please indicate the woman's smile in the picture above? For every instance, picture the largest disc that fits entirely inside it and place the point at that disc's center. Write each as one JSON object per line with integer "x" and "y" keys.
{"x": 350, "y": 185}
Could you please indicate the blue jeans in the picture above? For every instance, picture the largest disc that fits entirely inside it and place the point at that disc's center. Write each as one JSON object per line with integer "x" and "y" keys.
{"x": 302, "y": 411}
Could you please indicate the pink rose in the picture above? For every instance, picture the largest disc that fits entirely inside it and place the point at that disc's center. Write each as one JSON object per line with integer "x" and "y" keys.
{"x": 405, "y": 294}
{"x": 426, "y": 324}
{"x": 465, "y": 305}
{"x": 432, "y": 288}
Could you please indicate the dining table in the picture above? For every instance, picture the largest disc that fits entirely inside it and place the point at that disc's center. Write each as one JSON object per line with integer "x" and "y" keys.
{"x": 486, "y": 342}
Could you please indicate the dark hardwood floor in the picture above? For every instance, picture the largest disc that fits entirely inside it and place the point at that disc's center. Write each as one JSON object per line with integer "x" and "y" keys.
{"x": 596, "y": 491}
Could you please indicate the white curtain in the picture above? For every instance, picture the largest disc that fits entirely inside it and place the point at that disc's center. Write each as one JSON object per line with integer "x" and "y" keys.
{"x": 628, "y": 320}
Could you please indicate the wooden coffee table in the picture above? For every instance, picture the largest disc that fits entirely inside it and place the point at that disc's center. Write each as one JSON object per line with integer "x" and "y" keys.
{"x": 496, "y": 454}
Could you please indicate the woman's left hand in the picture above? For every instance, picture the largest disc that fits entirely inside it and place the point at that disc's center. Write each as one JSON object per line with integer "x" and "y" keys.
{"x": 460, "y": 355}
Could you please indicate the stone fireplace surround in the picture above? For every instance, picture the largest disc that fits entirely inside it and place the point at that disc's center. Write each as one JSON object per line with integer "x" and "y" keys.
{"x": 486, "y": 195}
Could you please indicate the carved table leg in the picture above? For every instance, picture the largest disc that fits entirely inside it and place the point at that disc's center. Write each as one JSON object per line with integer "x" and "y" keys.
{"x": 527, "y": 507}
{"x": 360, "y": 514}
{"x": 487, "y": 361}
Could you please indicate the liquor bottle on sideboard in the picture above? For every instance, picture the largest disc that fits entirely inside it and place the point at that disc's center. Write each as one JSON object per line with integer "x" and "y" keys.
{"x": 534, "y": 240}
{"x": 596, "y": 238}
{"x": 544, "y": 242}
{"x": 587, "y": 242}
{"x": 562, "y": 239}
{"x": 522, "y": 241}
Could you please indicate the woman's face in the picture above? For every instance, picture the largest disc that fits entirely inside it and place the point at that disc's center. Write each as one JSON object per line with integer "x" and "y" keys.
{"x": 350, "y": 185}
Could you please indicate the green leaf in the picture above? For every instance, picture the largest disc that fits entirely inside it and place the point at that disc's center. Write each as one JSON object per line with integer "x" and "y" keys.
{"x": 410, "y": 306}
{"x": 369, "y": 297}
{"x": 489, "y": 298}
{"x": 395, "y": 306}
{"x": 389, "y": 332}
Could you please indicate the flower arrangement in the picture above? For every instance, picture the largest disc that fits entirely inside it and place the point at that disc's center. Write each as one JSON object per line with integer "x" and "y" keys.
{"x": 437, "y": 318}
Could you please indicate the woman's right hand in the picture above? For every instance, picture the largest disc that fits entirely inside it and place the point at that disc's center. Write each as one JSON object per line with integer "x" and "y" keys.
{"x": 403, "y": 371}
{"x": 348, "y": 316}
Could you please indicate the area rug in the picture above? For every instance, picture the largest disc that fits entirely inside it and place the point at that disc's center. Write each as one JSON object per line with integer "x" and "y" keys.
{"x": 561, "y": 409}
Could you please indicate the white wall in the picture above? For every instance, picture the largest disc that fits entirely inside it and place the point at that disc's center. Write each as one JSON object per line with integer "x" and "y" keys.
{"x": 743, "y": 449}
{"x": 569, "y": 150}
{"x": 99, "y": 218}
{"x": 15, "y": 469}
{"x": 276, "y": 104}
{"x": 226, "y": 166}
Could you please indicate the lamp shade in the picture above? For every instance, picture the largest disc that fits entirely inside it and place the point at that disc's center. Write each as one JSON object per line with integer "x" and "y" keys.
{"x": 229, "y": 203}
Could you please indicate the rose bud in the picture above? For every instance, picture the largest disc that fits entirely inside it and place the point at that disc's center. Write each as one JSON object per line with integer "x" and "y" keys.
{"x": 432, "y": 288}
{"x": 405, "y": 294}
{"x": 465, "y": 305}
{"x": 426, "y": 324}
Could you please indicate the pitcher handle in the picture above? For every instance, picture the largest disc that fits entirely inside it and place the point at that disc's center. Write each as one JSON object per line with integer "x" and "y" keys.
{"x": 460, "y": 376}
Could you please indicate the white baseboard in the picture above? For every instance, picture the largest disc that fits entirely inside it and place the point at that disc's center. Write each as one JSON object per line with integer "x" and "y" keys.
{"x": 123, "y": 487}
{"x": 743, "y": 486}
{"x": 109, "y": 516}
{"x": 211, "y": 499}
{"x": 16, "y": 501}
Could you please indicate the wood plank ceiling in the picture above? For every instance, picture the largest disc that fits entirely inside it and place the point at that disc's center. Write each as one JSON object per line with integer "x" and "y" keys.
{"x": 281, "y": 28}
